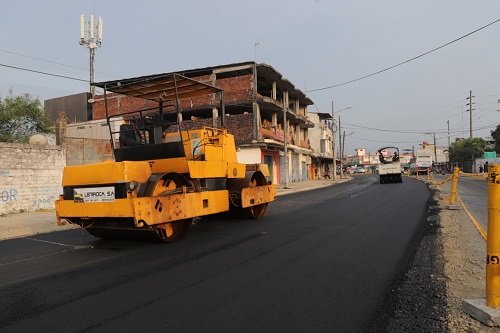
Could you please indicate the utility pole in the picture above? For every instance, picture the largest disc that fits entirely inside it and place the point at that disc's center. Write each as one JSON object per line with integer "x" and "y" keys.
{"x": 473, "y": 161}
{"x": 448, "y": 122}
{"x": 334, "y": 169}
{"x": 470, "y": 111}
{"x": 369, "y": 161}
{"x": 256, "y": 44}
{"x": 435, "y": 151}
{"x": 285, "y": 161}
{"x": 340, "y": 150}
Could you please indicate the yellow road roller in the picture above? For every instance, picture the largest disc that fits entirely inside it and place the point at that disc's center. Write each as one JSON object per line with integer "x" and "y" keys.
{"x": 163, "y": 175}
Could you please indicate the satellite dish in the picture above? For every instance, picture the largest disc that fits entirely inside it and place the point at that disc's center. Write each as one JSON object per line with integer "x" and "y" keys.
{"x": 38, "y": 139}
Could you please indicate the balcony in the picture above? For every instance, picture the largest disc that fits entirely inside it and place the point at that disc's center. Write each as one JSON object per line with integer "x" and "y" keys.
{"x": 305, "y": 144}
{"x": 276, "y": 134}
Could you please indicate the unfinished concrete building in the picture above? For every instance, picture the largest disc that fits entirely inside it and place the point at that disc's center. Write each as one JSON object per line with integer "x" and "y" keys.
{"x": 256, "y": 99}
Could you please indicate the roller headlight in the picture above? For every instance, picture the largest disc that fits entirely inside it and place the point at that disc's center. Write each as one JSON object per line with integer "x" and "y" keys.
{"x": 133, "y": 185}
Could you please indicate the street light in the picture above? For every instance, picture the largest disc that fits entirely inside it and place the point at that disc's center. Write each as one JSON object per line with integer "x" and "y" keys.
{"x": 347, "y": 108}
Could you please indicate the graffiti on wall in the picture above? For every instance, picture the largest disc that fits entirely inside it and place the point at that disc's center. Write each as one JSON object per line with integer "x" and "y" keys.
{"x": 43, "y": 201}
{"x": 9, "y": 195}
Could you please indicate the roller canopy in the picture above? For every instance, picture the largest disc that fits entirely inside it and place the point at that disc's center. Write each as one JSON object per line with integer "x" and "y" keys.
{"x": 159, "y": 88}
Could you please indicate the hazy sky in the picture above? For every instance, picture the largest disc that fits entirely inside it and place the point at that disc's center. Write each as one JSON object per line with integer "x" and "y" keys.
{"x": 313, "y": 43}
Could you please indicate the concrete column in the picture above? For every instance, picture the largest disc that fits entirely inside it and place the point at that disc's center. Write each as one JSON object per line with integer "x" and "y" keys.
{"x": 274, "y": 120}
{"x": 215, "y": 116}
{"x": 256, "y": 121}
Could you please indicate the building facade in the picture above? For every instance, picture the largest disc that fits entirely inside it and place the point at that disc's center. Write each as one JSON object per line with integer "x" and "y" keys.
{"x": 260, "y": 107}
{"x": 321, "y": 139}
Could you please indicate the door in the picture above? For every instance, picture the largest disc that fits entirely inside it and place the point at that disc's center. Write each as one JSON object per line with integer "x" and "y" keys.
{"x": 269, "y": 161}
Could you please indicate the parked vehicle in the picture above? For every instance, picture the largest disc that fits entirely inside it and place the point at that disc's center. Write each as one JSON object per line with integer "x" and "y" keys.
{"x": 420, "y": 164}
{"x": 359, "y": 170}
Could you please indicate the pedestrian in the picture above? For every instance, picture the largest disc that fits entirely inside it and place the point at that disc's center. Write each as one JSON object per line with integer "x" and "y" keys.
{"x": 480, "y": 169}
{"x": 486, "y": 167}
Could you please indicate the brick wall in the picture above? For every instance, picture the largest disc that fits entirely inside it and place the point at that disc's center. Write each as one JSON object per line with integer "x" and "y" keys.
{"x": 236, "y": 89}
{"x": 30, "y": 177}
{"x": 239, "y": 125}
{"x": 119, "y": 104}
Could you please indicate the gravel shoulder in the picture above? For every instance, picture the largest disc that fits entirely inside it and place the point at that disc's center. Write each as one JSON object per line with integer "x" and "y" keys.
{"x": 447, "y": 267}
{"x": 465, "y": 269}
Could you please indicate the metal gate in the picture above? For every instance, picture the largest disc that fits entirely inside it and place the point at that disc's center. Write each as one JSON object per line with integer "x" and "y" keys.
{"x": 295, "y": 168}
{"x": 282, "y": 170}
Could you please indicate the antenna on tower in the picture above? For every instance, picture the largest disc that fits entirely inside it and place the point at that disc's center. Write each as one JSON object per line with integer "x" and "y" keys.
{"x": 92, "y": 42}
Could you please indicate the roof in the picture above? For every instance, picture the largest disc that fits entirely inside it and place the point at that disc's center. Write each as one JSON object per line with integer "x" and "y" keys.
{"x": 159, "y": 87}
{"x": 322, "y": 115}
{"x": 266, "y": 74}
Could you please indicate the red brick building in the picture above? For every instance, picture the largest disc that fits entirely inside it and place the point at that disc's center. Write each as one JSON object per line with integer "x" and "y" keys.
{"x": 256, "y": 97}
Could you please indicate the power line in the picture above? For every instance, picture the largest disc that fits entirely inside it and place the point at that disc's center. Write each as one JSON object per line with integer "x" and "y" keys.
{"x": 389, "y": 142}
{"x": 385, "y": 130}
{"x": 404, "y": 62}
{"x": 44, "y": 73}
{"x": 53, "y": 62}
{"x": 409, "y": 131}
{"x": 44, "y": 60}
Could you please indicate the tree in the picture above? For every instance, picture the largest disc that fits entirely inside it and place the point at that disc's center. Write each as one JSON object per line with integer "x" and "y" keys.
{"x": 21, "y": 117}
{"x": 495, "y": 134}
{"x": 463, "y": 149}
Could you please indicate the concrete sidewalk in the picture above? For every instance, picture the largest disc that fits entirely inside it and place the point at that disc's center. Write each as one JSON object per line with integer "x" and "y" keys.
{"x": 27, "y": 224}
{"x": 308, "y": 185}
{"x": 32, "y": 223}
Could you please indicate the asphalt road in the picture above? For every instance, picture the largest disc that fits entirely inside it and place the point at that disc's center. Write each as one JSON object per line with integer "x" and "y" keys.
{"x": 319, "y": 261}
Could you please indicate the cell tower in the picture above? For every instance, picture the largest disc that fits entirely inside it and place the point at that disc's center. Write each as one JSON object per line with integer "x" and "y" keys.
{"x": 93, "y": 41}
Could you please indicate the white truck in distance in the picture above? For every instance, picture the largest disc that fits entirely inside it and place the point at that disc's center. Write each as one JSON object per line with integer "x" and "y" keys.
{"x": 389, "y": 169}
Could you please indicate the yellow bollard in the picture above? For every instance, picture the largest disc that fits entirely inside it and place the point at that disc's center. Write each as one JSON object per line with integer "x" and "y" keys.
{"x": 454, "y": 181}
{"x": 493, "y": 239}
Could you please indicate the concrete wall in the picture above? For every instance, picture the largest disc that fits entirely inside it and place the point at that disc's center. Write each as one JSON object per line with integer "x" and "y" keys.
{"x": 319, "y": 132}
{"x": 249, "y": 155}
{"x": 30, "y": 177}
